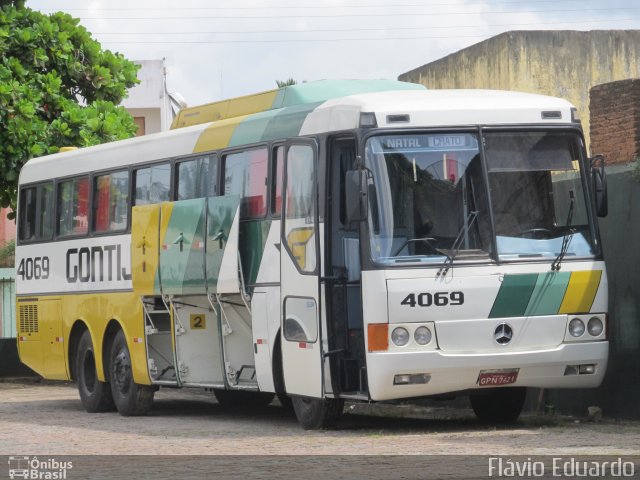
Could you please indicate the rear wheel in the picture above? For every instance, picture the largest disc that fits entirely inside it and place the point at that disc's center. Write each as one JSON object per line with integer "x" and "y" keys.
{"x": 242, "y": 398}
{"x": 131, "y": 399}
{"x": 94, "y": 394}
{"x": 499, "y": 406}
{"x": 316, "y": 413}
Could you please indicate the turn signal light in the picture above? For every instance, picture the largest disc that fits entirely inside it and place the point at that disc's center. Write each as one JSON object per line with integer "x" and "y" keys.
{"x": 378, "y": 334}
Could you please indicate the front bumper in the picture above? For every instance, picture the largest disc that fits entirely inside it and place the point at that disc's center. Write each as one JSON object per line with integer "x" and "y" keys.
{"x": 543, "y": 368}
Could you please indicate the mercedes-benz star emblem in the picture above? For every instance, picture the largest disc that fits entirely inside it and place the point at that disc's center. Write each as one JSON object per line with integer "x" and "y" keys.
{"x": 503, "y": 334}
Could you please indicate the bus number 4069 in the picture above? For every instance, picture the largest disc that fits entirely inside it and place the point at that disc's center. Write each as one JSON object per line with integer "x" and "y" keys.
{"x": 439, "y": 299}
{"x": 36, "y": 268}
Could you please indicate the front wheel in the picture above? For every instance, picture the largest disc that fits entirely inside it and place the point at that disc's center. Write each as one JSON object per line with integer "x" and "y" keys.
{"x": 131, "y": 399}
{"x": 500, "y": 406}
{"x": 317, "y": 413}
{"x": 94, "y": 394}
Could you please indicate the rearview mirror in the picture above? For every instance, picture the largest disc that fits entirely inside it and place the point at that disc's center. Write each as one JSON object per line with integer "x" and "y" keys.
{"x": 356, "y": 195}
{"x": 599, "y": 183}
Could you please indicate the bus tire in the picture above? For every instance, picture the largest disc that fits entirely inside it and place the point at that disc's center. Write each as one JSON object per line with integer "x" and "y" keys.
{"x": 242, "y": 398}
{"x": 500, "y": 406}
{"x": 317, "y": 413}
{"x": 94, "y": 394}
{"x": 278, "y": 378}
{"x": 285, "y": 401}
{"x": 130, "y": 398}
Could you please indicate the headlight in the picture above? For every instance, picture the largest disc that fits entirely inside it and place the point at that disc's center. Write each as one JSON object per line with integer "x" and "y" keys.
{"x": 422, "y": 335}
{"x": 576, "y": 327}
{"x": 400, "y": 336}
{"x": 595, "y": 326}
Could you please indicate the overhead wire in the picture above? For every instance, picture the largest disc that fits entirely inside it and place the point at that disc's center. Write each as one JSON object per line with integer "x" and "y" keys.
{"x": 363, "y": 15}
{"x": 314, "y": 7}
{"x": 375, "y": 29}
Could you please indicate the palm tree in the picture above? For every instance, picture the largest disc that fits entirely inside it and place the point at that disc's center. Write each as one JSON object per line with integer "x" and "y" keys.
{"x": 285, "y": 83}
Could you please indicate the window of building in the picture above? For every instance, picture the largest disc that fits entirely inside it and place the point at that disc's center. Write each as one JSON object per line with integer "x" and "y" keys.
{"x": 73, "y": 207}
{"x": 111, "y": 207}
{"x": 140, "y": 123}
{"x": 246, "y": 175}
{"x": 197, "y": 178}
{"x": 152, "y": 184}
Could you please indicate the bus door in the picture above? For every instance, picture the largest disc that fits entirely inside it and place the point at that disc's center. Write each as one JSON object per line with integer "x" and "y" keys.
{"x": 221, "y": 273}
{"x": 300, "y": 272}
{"x": 182, "y": 274}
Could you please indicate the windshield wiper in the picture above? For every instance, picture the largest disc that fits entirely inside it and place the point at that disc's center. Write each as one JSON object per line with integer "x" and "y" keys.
{"x": 455, "y": 248}
{"x": 412, "y": 240}
{"x": 566, "y": 238}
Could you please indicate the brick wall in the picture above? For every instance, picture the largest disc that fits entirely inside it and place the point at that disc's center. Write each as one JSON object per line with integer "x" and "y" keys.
{"x": 615, "y": 120}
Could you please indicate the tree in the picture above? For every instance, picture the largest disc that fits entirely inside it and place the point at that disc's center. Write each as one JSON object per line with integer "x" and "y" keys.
{"x": 58, "y": 88}
{"x": 15, "y": 3}
{"x": 286, "y": 83}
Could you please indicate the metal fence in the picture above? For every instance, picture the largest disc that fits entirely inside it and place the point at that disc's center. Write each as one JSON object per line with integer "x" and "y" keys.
{"x": 7, "y": 303}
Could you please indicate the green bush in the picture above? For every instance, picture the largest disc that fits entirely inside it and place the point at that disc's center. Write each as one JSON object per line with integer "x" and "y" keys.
{"x": 7, "y": 252}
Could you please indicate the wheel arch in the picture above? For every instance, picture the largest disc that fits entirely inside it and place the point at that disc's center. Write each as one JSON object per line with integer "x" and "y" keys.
{"x": 276, "y": 365}
{"x": 78, "y": 328}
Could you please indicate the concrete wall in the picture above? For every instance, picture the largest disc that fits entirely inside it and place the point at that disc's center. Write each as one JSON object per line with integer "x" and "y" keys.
{"x": 559, "y": 63}
{"x": 619, "y": 395}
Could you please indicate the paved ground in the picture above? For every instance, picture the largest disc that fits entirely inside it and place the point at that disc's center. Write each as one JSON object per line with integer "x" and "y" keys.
{"x": 48, "y": 420}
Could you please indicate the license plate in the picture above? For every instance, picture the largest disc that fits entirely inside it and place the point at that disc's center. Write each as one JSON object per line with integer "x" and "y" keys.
{"x": 496, "y": 378}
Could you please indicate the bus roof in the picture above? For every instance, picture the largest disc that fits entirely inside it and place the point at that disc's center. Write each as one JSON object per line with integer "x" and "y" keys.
{"x": 289, "y": 96}
{"x": 400, "y": 108}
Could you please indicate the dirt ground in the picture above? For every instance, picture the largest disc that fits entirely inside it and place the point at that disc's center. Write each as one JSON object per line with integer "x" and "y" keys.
{"x": 47, "y": 418}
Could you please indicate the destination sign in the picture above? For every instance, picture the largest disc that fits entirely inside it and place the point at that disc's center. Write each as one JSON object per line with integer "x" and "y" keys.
{"x": 408, "y": 142}
{"x": 447, "y": 141}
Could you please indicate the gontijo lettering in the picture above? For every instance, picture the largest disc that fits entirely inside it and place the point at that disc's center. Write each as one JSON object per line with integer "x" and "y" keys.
{"x": 96, "y": 264}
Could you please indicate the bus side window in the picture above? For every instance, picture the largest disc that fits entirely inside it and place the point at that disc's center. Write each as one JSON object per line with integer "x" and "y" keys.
{"x": 28, "y": 205}
{"x": 73, "y": 207}
{"x": 45, "y": 212}
{"x": 197, "y": 178}
{"x": 276, "y": 180}
{"x": 111, "y": 202}
{"x": 36, "y": 213}
{"x": 246, "y": 175}
{"x": 152, "y": 184}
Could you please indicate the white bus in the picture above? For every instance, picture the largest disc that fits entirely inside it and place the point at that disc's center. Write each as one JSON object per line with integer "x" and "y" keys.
{"x": 361, "y": 240}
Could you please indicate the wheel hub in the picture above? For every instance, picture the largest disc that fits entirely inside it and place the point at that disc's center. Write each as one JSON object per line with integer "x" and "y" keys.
{"x": 121, "y": 371}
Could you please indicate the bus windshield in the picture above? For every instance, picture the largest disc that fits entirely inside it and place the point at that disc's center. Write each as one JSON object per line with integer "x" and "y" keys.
{"x": 429, "y": 201}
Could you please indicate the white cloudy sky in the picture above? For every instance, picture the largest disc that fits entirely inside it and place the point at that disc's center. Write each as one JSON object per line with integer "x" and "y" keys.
{"x": 225, "y": 48}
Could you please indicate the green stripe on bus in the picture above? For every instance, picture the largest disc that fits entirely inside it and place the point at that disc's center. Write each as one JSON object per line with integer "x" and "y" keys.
{"x": 513, "y": 296}
{"x": 220, "y": 214}
{"x": 251, "y": 130}
{"x": 323, "y": 90}
{"x": 253, "y": 238}
{"x": 182, "y": 252}
{"x": 288, "y": 122}
{"x": 548, "y": 293}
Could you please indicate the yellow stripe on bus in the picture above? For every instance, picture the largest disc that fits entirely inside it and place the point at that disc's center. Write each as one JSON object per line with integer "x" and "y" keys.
{"x": 218, "y": 135}
{"x": 581, "y": 291}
